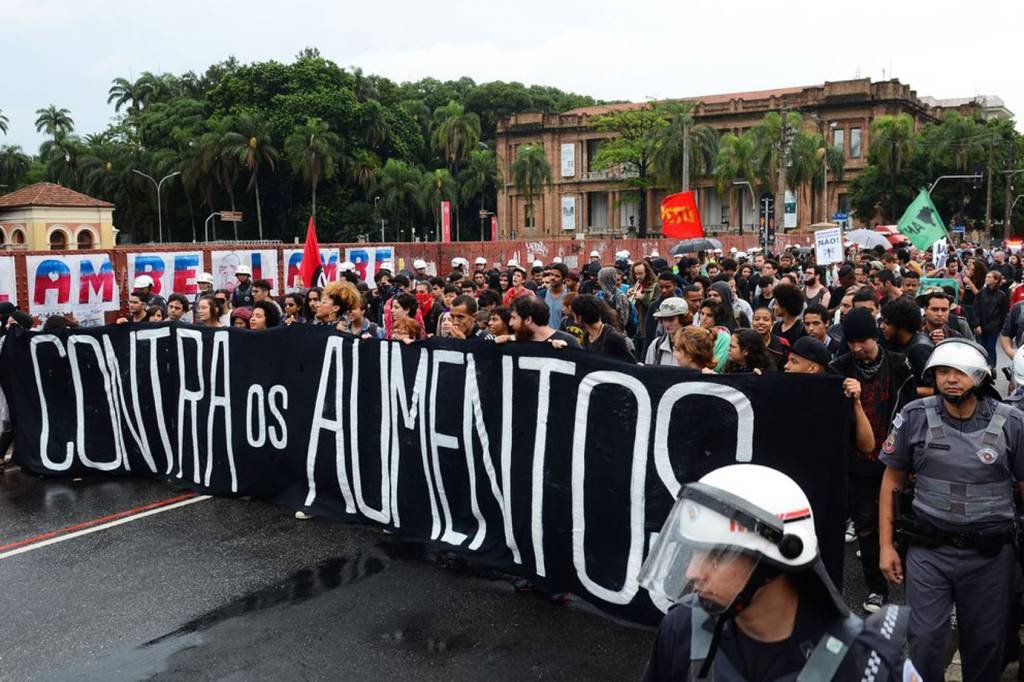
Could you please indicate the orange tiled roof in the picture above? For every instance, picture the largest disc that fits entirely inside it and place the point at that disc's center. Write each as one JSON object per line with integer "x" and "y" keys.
{"x": 706, "y": 99}
{"x": 49, "y": 194}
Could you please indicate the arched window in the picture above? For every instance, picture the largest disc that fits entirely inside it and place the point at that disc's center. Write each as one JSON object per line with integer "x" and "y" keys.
{"x": 58, "y": 240}
{"x": 18, "y": 236}
{"x": 85, "y": 239}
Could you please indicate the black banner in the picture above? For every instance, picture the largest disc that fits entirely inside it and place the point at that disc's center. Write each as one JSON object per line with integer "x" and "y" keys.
{"x": 556, "y": 465}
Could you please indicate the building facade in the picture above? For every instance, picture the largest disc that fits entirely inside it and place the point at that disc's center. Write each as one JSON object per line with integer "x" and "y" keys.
{"x": 585, "y": 201}
{"x": 45, "y": 216}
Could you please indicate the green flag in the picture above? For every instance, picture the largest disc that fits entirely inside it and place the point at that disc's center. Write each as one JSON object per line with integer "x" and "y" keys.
{"x": 921, "y": 223}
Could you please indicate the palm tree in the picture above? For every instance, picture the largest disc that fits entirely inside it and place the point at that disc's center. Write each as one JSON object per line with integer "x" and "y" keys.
{"x": 14, "y": 165}
{"x": 375, "y": 126}
{"x": 684, "y": 148}
{"x": 531, "y": 173}
{"x": 217, "y": 162}
{"x": 61, "y": 157}
{"x": 828, "y": 159}
{"x": 399, "y": 186}
{"x": 313, "y": 151}
{"x": 250, "y": 143}
{"x": 363, "y": 167}
{"x": 3, "y": 122}
{"x": 478, "y": 177}
{"x": 438, "y": 186}
{"x": 56, "y": 122}
{"x": 892, "y": 147}
{"x": 736, "y": 160}
{"x": 455, "y": 134}
{"x": 124, "y": 93}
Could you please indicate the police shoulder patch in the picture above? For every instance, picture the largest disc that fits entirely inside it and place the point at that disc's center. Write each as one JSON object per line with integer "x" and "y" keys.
{"x": 889, "y": 446}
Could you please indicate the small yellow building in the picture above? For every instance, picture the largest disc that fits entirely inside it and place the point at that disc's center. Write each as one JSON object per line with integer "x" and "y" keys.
{"x": 45, "y": 216}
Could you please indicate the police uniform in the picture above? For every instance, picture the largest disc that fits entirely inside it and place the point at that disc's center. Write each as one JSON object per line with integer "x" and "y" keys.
{"x": 963, "y": 510}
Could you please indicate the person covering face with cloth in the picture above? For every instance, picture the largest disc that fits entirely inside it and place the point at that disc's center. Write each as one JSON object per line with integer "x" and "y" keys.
{"x": 738, "y": 556}
{"x": 966, "y": 450}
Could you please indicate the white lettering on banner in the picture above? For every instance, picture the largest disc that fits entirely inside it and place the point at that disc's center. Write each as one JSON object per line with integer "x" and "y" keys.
{"x": 258, "y": 438}
{"x": 189, "y": 396}
{"x": 221, "y": 358}
{"x": 133, "y": 419}
{"x": 277, "y": 401}
{"x": 744, "y": 425}
{"x": 545, "y": 366}
{"x": 332, "y": 359}
{"x": 442, "y": 440}
{"x": 473, "y": 415}
{"x": 637, "y": 479}
{"x": 382, "y": 515}
{"x": 153, "y": 336}
{"x": 76, "y": 377}
{"x": 44, "y": 432}
{"x": 411, "y": 408}
{"x": 506, "y": 454}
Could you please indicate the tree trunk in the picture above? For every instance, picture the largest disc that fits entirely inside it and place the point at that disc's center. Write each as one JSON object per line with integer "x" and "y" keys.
{"x": 259, "y": 209}
{"x": 686, "y": 157}
{"x": 234, "y": 223}
{"x": 312, "y": 211}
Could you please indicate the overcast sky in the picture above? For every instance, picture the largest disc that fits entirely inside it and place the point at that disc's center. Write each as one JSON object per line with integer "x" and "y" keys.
{"x": 66, "y": 52}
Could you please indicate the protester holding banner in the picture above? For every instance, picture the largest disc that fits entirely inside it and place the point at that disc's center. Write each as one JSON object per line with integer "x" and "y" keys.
{"x": 600, "y": 337}
{"x": 178, "y": 308}
{"x": 209, "y": 311}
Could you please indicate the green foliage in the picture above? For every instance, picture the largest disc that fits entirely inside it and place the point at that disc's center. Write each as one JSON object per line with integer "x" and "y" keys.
{"x": 531, "y": 173}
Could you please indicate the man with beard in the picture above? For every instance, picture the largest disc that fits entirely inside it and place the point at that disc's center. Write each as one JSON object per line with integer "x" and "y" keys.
{"x": 936, "y": 315}
{"x": 885, "y": 383}
{"x": 814, "y": 290}
{"x": 529, "y": 322}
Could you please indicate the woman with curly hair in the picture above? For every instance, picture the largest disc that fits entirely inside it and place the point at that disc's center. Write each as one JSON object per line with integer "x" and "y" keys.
{"x": 694, "y": 348}
{"x": 747, "y": 353}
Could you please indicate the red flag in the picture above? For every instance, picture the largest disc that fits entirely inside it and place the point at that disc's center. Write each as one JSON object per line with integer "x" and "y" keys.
{"x": 311, "y": 268}
{"x": 494, "y": 230}
{"x": 446, "y": 221}
{"x": 680, "y": 218}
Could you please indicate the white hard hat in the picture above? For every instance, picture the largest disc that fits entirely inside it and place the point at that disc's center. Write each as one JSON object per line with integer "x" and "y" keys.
{"x": 243, "y": 270}
{"x": 733, "y": 250}
{"x": 538, "y": 263}
{"x": 556, "y": 259}
{"x": 419, "y": 264}
{"x": 385, "y": 265}
{"x": 966, "y": 356}
{"x": 655, "y": 254}
{"x": 204, "y": 278}
{"x": 513, "y": 263}
{"x": 595, "y": 254}
{"x": 346, "y": 266}
{"x": 740, "y": 510}
{"x": 142, "y": 281}
{"x": 480, "y": 260}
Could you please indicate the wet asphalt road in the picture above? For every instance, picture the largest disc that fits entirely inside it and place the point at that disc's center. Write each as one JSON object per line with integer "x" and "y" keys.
{"x": 234, "y": 589}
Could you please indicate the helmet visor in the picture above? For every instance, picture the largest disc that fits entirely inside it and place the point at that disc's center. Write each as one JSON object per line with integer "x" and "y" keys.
{"x": 685, "y": 562}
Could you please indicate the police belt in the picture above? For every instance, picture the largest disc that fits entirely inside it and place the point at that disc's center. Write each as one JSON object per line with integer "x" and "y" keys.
{"x": 911, "y": 530}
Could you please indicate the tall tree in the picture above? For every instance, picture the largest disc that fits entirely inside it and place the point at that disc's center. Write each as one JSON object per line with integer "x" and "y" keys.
{"x": 684, "y": 148}
{"x": 531, "y": 173}
{"x": 892, "y": 147}
{"x": 219, "y": 161}
{"x": 455, "y": 134}
{"x": 55, "y": 122}
{"x": 399, "y": 186}
{"x": 250, "y": 142}
{"x": 14, "y": 165}
{"x": 125, "y": 93}
{"x": 632, "y": 151}
{"x": 363, "y": 168}
{"x": 438, "y": 186}
{"x": 313, "y": 151}
{"x": 3, "y": 122}
{"x": 736, "y": 161}
{"x": 479, "y": 177}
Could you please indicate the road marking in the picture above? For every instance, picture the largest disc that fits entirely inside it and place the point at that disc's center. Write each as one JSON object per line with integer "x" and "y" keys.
{"x": 102, "y": 523}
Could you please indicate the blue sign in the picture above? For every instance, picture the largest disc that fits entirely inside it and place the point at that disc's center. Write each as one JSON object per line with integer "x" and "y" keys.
{"x": 958, "y": 229}
{"x": 840, "y": 216}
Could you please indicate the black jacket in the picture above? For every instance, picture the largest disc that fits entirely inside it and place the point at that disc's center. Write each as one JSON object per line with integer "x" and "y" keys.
{"x": 991, "y": 306}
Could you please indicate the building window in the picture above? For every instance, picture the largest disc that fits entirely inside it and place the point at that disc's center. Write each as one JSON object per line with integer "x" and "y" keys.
{"x": 18, "y": 237}
{"x": 58, "y": 240}
{"x": 839, "y": 139}
{"x": 593, "y": 148}
{"x": 844, "y": 204}
{"x": 725, "y": 214}
{"x": 854, "y": 143}
{"x": 85, "y": 240}
{"x": 597, "y": 210}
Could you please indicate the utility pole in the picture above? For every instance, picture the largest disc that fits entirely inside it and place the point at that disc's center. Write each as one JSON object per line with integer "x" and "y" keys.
{"x": 780, "y": 190}
{"x": 988, "y": 186}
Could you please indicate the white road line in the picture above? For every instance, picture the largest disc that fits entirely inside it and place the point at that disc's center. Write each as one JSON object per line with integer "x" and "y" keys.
{"x": 102, "y": 526}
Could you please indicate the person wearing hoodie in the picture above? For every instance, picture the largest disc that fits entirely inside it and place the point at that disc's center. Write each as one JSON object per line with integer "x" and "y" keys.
{"x": 721, "y": 292}
{"x": 607, "y": 279}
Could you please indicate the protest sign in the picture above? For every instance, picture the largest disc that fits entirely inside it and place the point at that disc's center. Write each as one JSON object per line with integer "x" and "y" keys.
{"x": 293, "y": 260}
{"x": 83, "y": 285}
{"x": 940, "y": 253}
{"x": 171, "y": 272}
{"x": 370, "y": 259}
{"x": 262, "y": 263}
{"x": 828, "y": 246}
{"x": 557, "y": 465}
{"x": 927, "y": 283}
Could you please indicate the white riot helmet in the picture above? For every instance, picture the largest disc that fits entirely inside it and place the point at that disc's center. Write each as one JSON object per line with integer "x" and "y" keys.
{"x": 966, "y": 356}
{"x": 743, "y": 513}
{"x": 1018, "y": 368}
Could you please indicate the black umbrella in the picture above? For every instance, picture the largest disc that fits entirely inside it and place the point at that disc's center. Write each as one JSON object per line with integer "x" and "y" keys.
{"x": 695, "y": 245}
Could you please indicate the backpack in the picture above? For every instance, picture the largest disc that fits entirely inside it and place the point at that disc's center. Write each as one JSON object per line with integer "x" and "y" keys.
{"x": 628, "y": 316}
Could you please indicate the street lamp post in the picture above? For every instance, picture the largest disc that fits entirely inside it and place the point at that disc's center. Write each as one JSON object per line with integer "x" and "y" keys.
{"x": 375, "y": 200}
{"x": 975, "y": 176}
{"x": 159, "y": 206}
{"x": 206, "y": 226}
{"x": 753, "y": 201}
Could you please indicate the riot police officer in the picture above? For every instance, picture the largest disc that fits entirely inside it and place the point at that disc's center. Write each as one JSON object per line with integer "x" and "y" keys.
{"x": 965, "y": 449}
{"x": 739, "y": 556}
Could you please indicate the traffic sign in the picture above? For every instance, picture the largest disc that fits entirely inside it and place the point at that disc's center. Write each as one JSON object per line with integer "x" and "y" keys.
{"x": 231, "y": 216}
{"x": 958, "y": 229}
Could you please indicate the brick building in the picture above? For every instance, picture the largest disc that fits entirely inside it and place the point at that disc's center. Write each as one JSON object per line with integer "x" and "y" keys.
{"x": 585, "y": 201}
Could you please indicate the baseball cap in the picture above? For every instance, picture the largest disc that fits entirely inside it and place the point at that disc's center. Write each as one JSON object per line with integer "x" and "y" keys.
{"x": 419, "y": 264}
{"x": 142, "y": 281}
{"x": 243, "y": 270}
{"x": 671, "y": 307}
{"x": 811, "y": 349}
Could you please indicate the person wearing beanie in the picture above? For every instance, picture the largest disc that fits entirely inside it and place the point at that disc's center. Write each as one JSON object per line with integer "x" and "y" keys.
{"x": 807, "y": 355}
{"x": 879, "y": 382}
